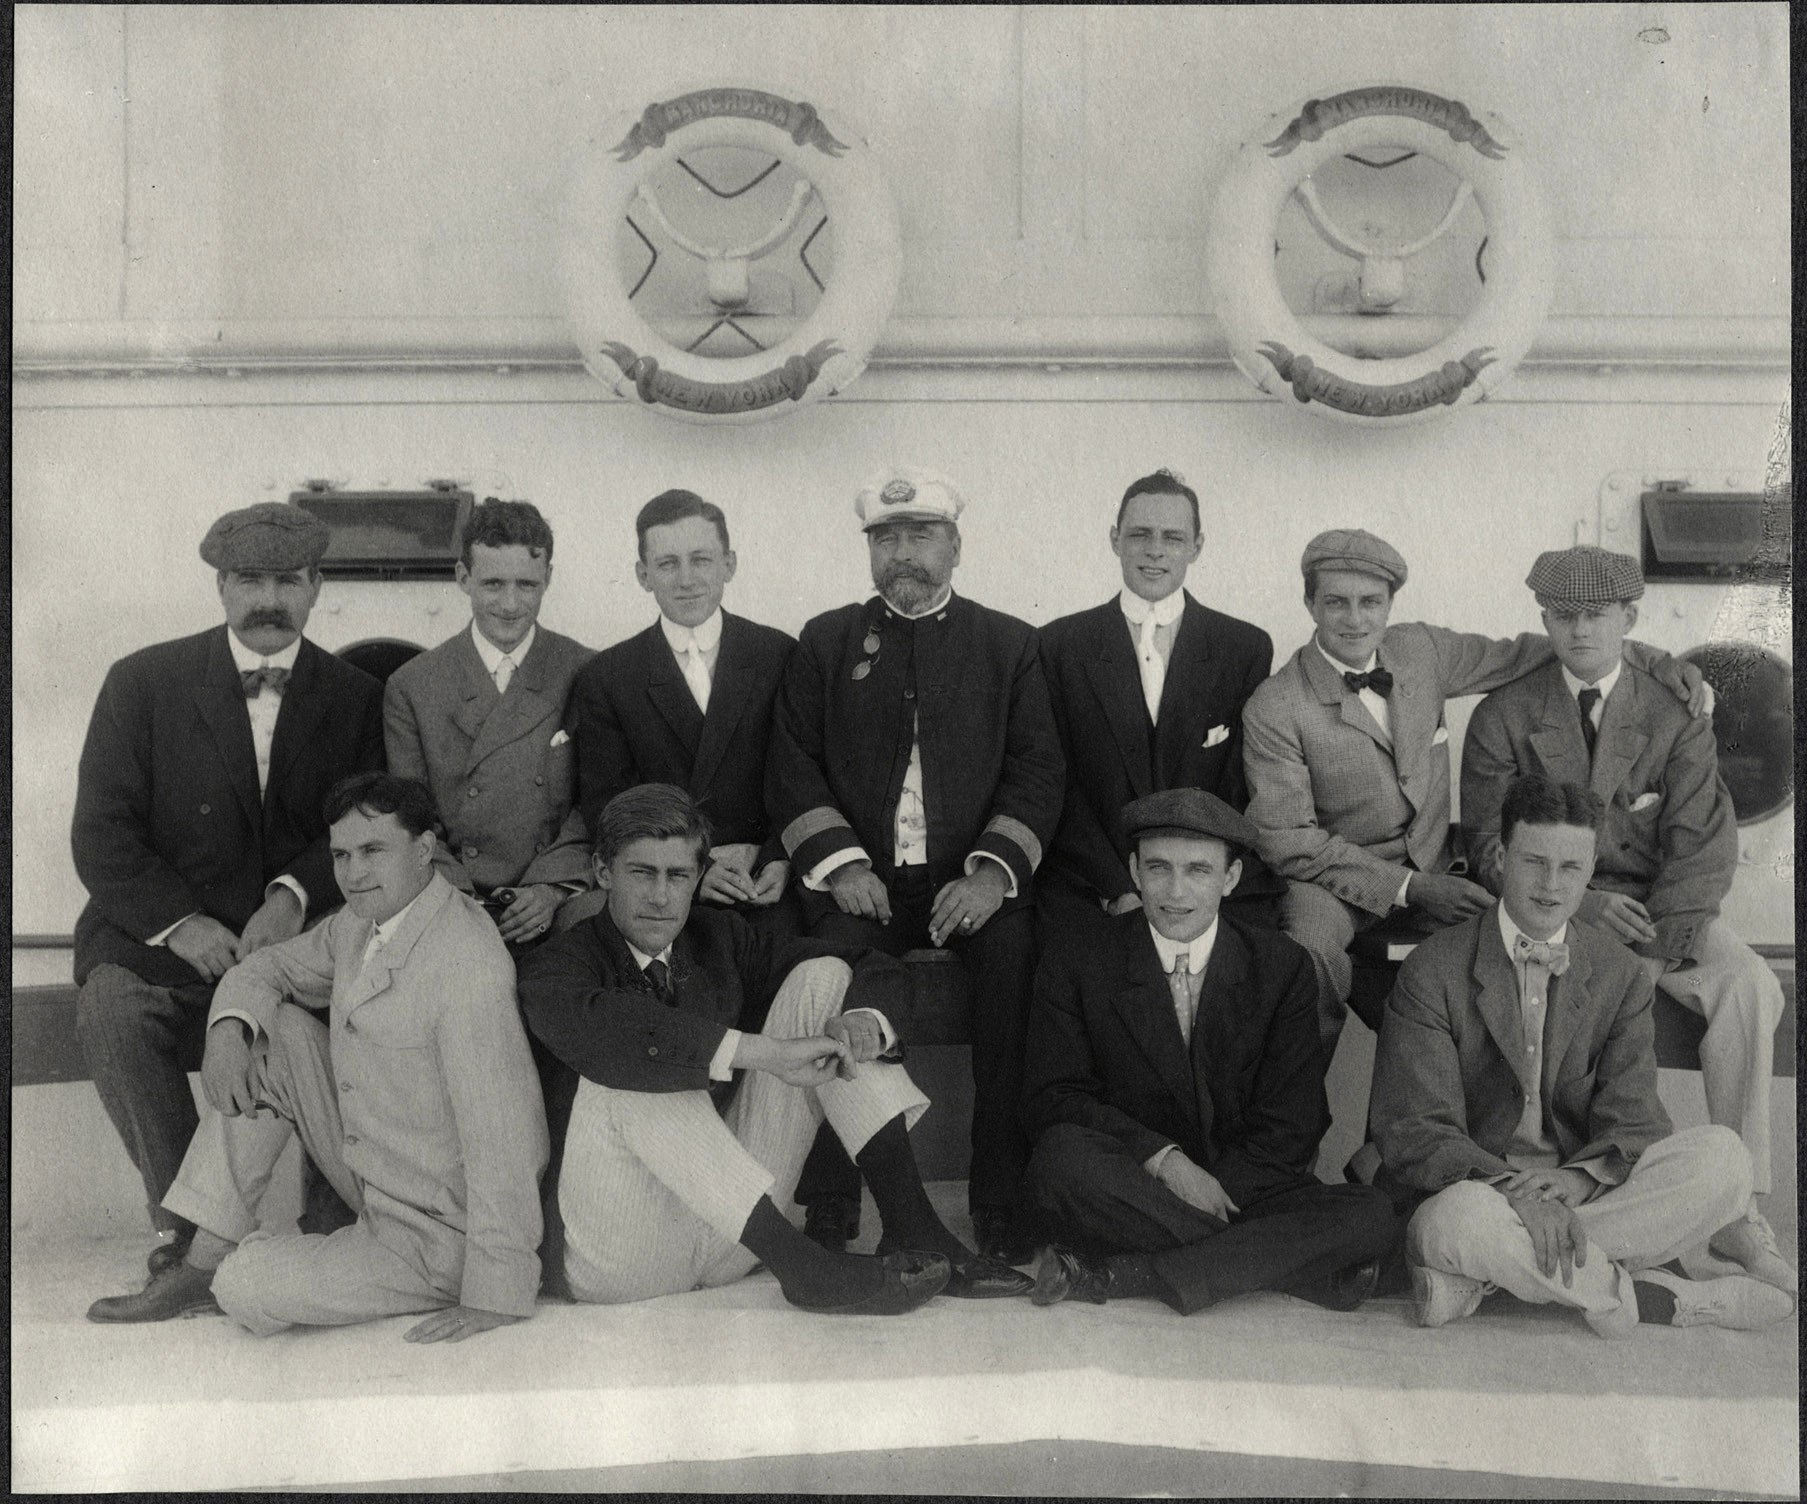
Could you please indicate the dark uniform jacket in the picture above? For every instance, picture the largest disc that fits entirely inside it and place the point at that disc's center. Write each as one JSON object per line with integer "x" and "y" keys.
{"x": 1448, "y": 1091}
{"x": 636, "y": 722}
{"x": 991, "y": 763}
{"x": 1246, "y": 1103}
{"x": 168, "y": 821}
{"x": 1114, "y": 755}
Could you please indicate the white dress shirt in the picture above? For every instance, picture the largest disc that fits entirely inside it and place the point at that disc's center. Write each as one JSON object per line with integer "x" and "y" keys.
{"x": 1605, "y": 686}
{"x": 696, "y": 649}
{"x": 1154, "y": 625}
{"x": 493, "y": 656}
{"x": 1198, "y": 955}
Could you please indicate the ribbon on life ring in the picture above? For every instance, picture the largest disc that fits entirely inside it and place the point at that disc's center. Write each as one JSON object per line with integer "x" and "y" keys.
{"x": 826, "y": 352}
{"x": 1269, "y": 344}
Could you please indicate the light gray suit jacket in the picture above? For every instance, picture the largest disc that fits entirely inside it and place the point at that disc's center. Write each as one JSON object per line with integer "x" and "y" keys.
{"x": 502, "y": 767}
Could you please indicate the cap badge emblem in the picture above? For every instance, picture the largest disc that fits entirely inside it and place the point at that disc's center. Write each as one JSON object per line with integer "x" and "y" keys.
{"x": 897, "y": 493}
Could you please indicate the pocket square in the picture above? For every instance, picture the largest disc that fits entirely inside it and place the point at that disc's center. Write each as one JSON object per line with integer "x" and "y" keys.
{"x": 1217, "y": 734}
{"x": 560, "y": 738}
{"x": 1440, "y": 736}
{"x": 1645, "y": 801}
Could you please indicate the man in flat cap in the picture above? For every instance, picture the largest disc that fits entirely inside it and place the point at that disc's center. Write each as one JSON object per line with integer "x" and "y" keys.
{"x": 1516, "y": 1112}
{"x": 481, "y": 720}
{"x": 1147, "y": 691}
{"x": 1347, "y": 754}
{"x": 1667, "y": 848}
{"x": 197, "y": 828}
{"x": 915, "y": 777}
{"x": 1175, "y": 1082}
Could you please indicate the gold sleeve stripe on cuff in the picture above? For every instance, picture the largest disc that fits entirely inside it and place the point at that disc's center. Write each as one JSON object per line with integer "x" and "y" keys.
{"x": 811, "y": 823}
{"x": 1019, "y": 833}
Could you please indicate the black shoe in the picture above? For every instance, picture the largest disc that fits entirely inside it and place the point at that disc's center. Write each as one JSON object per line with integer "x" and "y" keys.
{"x": 172, "y": 1252}
{"x": 976, "y": 1277}
{"x": 1344, "y": 1290}
{"x": 1001, "y": 1235}
{"x": 833, "y": 1222}
{"x": 176, "y": 1290}
{"x": 910, "y": 1278}
{"x": 1063, "y": 1273}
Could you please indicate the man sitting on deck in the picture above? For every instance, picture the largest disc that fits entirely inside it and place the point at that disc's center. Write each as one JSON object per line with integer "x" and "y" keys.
{"x": 1515, "y": 1086}
{"x": 1176, "y": 1079}
{"x": 655, "y": 1004}
{"x": 423, "y": 1112}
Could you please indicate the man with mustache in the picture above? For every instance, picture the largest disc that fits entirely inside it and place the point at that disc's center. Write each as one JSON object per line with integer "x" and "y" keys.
{"x": 915, "y": 776}
{"x": 197, "y": 828}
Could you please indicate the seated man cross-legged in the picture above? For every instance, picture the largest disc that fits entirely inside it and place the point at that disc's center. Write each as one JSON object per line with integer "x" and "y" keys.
{"x": 1515, "y": 1086}
{"x": 656, "y": 1005}
{"x": 419, "y": 1102}
{"x": 1176, "y": 1084}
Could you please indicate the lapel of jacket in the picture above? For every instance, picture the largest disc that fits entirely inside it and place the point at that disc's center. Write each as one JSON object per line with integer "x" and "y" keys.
{"x": 1496, "y": 995}
{"x": 1117, "y": 681}
{"x": 670, "y": 695}
{"x": 1561, "y": 752}
{"x": 1189, "y": 681}
{"x": 1415, "y": 707}
{"x": 220, "y": 698}
{"x": 1145, "y": 1006}
{"x": 523, "y": 707}
{"x": 476, "y": 693}
{"x": 727, "y": 700}
{"x": 305, "y": 708}
{"x": 1219, "y": 1020}
{"x": 1327, "y": 684}
{"x": 373, "y": 980}
{"x": 1621, "y": 741}
{"x": 1568, "y": 1005}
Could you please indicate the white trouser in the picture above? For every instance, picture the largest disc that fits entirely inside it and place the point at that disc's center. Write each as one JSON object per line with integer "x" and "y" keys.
{"x": 1683, "y": 1189}
{"x": 1732, "y": 987}
{"x": 656, "y": 1187}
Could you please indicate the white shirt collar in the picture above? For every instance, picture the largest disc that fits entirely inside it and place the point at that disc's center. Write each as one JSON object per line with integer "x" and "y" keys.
{"x": 1341, "y": 667}
{"x": 707, "y": 635}
{"x": 245, "y": 658}
{"x": 1510, "y": 932}
{"x": 641, "y": 959}
{"x": 1605, "y": 686}
{"x": 492, "y": 655}
{"x": 1197, "y": 952}
{"x": 938, "y": 604}
{"x": 390, "y": 925}
{"x": 1165, "y": 611}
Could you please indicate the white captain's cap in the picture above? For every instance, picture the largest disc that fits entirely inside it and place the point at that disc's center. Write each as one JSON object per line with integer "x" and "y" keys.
{"x": 908, "y": 493}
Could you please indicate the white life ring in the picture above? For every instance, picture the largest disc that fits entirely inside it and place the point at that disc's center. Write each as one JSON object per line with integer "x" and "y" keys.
{"x": 1267, "y": 341}
{"x": 826, "y": 352}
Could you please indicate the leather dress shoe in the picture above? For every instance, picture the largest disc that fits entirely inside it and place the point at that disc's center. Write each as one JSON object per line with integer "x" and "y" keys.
{"x": 1344, "y": 1290}
{"x": 175, "y": 1290}
{"x": 833, "y": 1222}
{"x": 1001, "y": 1236}
{"x": 169, "y": 1251}
{"x": 1063, "y": 1273}
{"x": 910, "y": 1278}
{"x": 976, "y": 1277}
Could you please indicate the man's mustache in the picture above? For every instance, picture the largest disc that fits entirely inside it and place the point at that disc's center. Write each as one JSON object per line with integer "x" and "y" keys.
{"x": 268, "y": 616}
{"x": 894, "y": 572}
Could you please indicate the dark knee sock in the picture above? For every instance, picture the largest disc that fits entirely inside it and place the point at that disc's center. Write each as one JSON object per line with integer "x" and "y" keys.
{"x": 889, "y": 1165}
{"x": 1656, "y": 1305}
{"x": 805, "y": 1270}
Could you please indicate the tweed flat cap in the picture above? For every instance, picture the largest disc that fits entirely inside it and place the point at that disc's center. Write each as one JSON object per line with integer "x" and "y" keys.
{"x": 1351, "y": 548}
{"x": 1186, "y": 812}
{"x": 1585, "y": 576}
{"x": 908, "y": 492}
{"x": 269, "y": 536}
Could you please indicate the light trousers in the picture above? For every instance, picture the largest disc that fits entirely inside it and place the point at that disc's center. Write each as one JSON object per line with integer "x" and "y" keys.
{"x": 656, "y": 1187}
{"x": 1683, "y": 1189}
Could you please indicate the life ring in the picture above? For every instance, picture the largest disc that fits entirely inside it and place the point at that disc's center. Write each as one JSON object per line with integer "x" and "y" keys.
{"x": 826, "y": 352}
{"x": 1267, "y": 341}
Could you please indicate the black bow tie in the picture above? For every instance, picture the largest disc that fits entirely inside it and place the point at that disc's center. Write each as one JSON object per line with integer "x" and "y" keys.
{"x": 1377, "y": 679}
{"x": 253, "y": 680}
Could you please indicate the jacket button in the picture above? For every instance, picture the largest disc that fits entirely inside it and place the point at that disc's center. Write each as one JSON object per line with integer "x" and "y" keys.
{"x": 539, "y": 781}
{"x": 471, "y": 792}
{"x": 470, "y": 850}
{"x": 909, "y": 694}
{"x": 539, "y": 846}
{"x": 345, "y": 1086}
{"x": 1625, "y": 845}
{"x": 351, "y": 1138}
{"x": 207, "y": 809}
{"x": 652, "y": 1050}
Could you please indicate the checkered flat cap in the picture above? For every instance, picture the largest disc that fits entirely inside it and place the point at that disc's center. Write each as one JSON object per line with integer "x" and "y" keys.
{"x": 271, "y": 536}
{"x": 1585, "y": 576}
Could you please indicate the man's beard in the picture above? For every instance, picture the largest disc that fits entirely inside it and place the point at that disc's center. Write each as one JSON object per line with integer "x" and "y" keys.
{"x": 907, "y": 588}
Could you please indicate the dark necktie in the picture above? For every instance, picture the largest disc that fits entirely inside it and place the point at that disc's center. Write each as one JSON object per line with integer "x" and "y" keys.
{"x": 1377, "y": 679}
{"x": 1588, "y": 699}
{"x": 659, "y": 974}
{"x": 253, "y": 680}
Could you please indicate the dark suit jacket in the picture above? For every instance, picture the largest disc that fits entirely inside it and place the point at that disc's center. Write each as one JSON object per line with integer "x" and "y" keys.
{"x": 636, "y": 722}
{"x": 1095, "y": 688}
{"x": 501, "y": 767}
{"x": 587, "y": 1000}
{"x": 991, "y": 763}
{"x": 167, "y": 816}
{"x": 1448, "y": 1087}
{"x": 1669, "y": 838}
{"x": 1247, "y": 1104}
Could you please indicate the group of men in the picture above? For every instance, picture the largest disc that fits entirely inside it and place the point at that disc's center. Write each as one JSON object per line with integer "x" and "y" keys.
{"x": 614, "y": 979}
